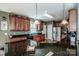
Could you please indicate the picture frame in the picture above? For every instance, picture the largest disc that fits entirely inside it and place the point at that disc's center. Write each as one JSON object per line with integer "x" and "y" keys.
{"x": 4, "y": 25}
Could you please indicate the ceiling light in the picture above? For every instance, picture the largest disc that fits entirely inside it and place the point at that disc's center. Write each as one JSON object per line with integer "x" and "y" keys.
{"x": 64, "y": 22}
{"x": 37, "y": 22}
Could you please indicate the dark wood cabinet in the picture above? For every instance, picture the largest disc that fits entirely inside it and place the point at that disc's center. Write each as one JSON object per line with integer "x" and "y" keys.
{"x": 18, "y": 43}
{"x": 19, "y": 23}
{"x": 12, "y": 22}
{"x": 40, "y": 26}
{"x": 56, "y": 23}
{"x": 17, "y": 46}
{"x": 64, "y": 42}
{"x": 39, "y": 38}
{"x": 72, "y": 19}
{"x": 26, "y": 24}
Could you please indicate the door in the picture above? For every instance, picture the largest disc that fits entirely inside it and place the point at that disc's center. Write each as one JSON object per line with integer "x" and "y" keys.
{"x": 49, "y": 33}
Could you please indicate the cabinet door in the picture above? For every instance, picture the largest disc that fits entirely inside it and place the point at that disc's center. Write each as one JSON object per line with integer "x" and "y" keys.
{"x": 21, "y": 23}
{"x": 72, "y": 20}
{"x": 12, "y": 22}
{"x": 13, "y": 49}
{"x": 42, "y": 37}
{"x": 19, "y": 49}
{"x": 37, "y": 38}
{"x": 24, "y": 43}
{"x": 26, "y": 25}
{"x": 40, "y": 26}
{"x": 18, "y": 23}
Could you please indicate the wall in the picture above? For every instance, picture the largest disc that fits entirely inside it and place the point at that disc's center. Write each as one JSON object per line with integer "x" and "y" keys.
{"x": 3, "y": 38}
{"x": 77, "y": 30}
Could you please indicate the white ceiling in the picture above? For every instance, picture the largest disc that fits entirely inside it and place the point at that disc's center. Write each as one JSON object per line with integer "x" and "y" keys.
{"x": 29, "y": 9}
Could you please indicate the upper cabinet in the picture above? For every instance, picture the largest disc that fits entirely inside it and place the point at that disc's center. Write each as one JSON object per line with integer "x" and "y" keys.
{"x": 19, "y": 23}
{"x": 40, "y": 26}
{"x": 26, "y": 24}
{"x": 72, "y": 20}
{"x": 12, "y": 22}
{"x": 56, "y": 23}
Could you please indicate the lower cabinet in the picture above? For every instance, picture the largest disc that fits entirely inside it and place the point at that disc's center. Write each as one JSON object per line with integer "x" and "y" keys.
{"x": 39, "y": 38}
{"x": 17, "y": 48}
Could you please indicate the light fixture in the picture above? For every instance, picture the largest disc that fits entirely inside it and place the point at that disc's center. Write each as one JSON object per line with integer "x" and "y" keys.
{"x": 64, "y": 21}
{"x": 36, "y": 21}
{"x": 47, "y": 14}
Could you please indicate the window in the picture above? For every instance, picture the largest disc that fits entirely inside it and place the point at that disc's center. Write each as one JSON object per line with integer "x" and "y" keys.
{"x": 33, "y": 27}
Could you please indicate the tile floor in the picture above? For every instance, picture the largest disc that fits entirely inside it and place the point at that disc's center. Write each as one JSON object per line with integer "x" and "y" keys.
{"x": 42, "y": 50}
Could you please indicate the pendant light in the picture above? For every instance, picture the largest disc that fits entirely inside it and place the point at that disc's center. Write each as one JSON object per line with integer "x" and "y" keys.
{"x": 64, "y": 22}
{"x": 36, "y": 21}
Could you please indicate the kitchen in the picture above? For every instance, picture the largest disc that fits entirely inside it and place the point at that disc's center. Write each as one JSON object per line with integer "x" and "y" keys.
{"x": 38, "y": 28}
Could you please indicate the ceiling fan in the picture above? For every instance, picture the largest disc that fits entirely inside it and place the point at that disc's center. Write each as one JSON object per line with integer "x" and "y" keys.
{"x": 48, "y": 15}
